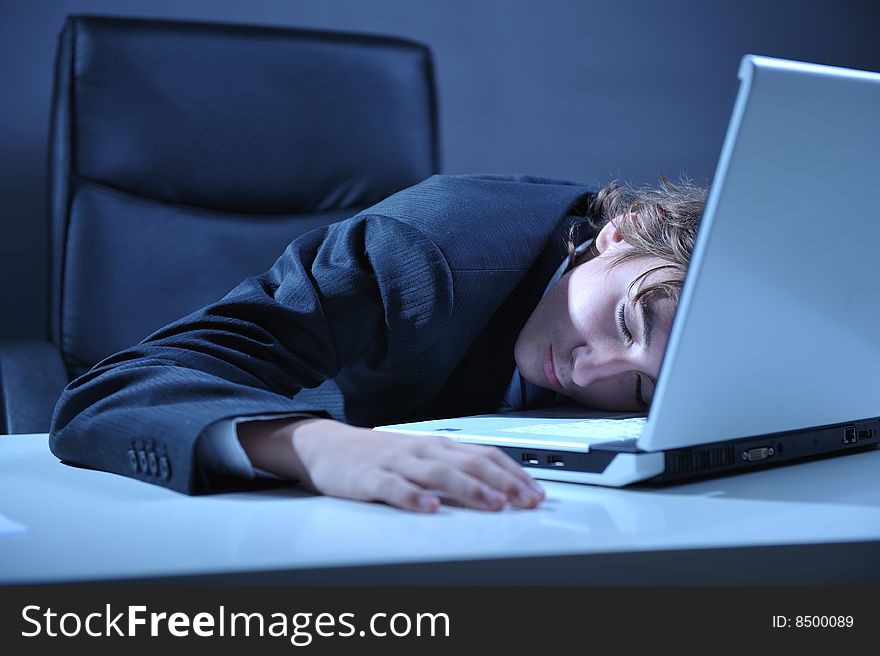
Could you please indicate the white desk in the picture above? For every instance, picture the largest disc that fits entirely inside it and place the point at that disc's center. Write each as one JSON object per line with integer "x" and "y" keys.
{"x": 816, "y": 522}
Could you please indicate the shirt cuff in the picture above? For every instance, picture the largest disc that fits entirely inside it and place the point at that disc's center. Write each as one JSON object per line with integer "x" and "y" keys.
{"x": 221, "y": 451}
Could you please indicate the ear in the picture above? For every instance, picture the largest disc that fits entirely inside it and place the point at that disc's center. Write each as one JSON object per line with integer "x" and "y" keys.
{"x": 609, "y": 237}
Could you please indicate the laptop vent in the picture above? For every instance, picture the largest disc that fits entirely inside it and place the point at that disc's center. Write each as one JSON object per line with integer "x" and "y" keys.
{"x": 691, "y": 460}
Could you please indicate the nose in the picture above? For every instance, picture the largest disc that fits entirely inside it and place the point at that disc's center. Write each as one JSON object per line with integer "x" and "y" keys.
{"x": 592, "y": 364}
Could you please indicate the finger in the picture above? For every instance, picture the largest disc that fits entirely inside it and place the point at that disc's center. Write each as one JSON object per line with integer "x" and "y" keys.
{"x": 480, "y": 464}
{"x": 445, "y": 477}
{"x": 502, "y": 459}
{"x": 395, "y": 490}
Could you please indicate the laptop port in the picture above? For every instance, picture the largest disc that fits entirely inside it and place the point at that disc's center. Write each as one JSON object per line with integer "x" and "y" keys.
{"x": 531, "y": 459}
{"x": 758, "y": 453}
{"x": 849, "y": 435}
{"x": 556, "y": 461}
{"x": 865, "y": 434}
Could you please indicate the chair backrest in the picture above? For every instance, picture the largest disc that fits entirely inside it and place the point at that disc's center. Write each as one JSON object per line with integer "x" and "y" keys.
{"x": 185, "y": 156}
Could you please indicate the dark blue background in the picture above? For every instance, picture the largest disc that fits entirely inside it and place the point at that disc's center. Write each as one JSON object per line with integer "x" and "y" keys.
{"x": 588, "y": 90}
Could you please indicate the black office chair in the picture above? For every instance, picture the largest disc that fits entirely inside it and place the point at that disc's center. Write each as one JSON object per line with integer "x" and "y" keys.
{"x": 185, "y": 156}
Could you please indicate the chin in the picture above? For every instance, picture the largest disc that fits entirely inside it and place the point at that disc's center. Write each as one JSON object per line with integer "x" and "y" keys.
{"x": 522, "y": 360}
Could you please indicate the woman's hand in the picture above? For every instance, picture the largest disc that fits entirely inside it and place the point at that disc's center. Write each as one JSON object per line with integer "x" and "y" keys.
{"x": 409, "y": 472}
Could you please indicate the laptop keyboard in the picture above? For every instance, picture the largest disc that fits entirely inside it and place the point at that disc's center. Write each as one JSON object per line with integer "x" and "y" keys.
{"x": 594, "y": 430}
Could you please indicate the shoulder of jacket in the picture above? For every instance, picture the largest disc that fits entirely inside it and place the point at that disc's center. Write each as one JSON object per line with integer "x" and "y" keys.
{"x": 484, "y": 222}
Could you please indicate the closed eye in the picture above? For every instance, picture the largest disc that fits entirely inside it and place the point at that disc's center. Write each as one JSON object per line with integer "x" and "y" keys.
{"x": 621, "y": 323}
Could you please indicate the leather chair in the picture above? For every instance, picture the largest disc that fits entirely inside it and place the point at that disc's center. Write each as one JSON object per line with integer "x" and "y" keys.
{"x": 185, "y": 156}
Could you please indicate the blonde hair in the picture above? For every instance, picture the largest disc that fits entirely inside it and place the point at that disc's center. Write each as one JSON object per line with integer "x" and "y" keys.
{"x": 657, "y": 221}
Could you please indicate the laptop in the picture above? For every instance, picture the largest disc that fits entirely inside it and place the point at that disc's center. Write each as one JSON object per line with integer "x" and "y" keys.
{"x": 784, "y": 277}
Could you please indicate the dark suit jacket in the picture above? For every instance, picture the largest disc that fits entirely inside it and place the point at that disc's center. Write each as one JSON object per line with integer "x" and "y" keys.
{"x": 407, "y": 311}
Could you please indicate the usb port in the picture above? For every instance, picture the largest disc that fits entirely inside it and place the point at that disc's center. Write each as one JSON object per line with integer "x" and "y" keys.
{"x": 865, "y": 434}
{"x": 849, "y": 434}
{"x": 531, "y": 459}
{"x": 556, "y": 461}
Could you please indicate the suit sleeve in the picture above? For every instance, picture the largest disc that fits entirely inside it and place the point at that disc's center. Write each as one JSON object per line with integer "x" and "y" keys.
{"x": 368, "y": 289}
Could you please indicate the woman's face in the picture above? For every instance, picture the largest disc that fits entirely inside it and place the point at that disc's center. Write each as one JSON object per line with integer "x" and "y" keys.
{"x": 587, "y": 340}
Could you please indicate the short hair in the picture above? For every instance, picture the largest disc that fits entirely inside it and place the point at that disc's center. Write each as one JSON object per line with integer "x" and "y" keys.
{"x": 657, "y": 221}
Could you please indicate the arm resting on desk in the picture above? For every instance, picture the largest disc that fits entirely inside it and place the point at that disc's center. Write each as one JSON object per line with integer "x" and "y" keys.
{"x": 331, "y": 299}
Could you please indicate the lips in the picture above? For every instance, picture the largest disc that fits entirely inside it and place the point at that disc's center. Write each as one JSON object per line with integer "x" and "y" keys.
{"x": 549, "y": 370}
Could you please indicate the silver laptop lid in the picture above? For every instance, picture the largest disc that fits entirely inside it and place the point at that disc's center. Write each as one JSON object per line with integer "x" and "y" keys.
{"x": 778, "y": 326}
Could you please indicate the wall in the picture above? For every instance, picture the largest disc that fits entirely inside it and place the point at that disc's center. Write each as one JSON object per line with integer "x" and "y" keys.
{"x": 583, "y": 90}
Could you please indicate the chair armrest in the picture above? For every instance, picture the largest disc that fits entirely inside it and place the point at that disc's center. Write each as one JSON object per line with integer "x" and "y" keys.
{"x": 32, "y": 377}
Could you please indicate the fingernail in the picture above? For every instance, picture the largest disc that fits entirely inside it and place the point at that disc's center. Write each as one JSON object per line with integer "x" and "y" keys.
{"x": 537, "y": 488}
{"x": 526, "y": 494}
{"x": 427, "y": 502}
{"x": 492, "y": 498}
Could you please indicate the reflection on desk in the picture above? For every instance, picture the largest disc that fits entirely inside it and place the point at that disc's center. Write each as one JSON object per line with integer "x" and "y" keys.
{"x": 88, "y": 525}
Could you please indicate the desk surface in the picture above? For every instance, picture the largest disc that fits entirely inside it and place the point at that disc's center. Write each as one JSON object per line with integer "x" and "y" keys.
{"x": 87, "y": 525}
